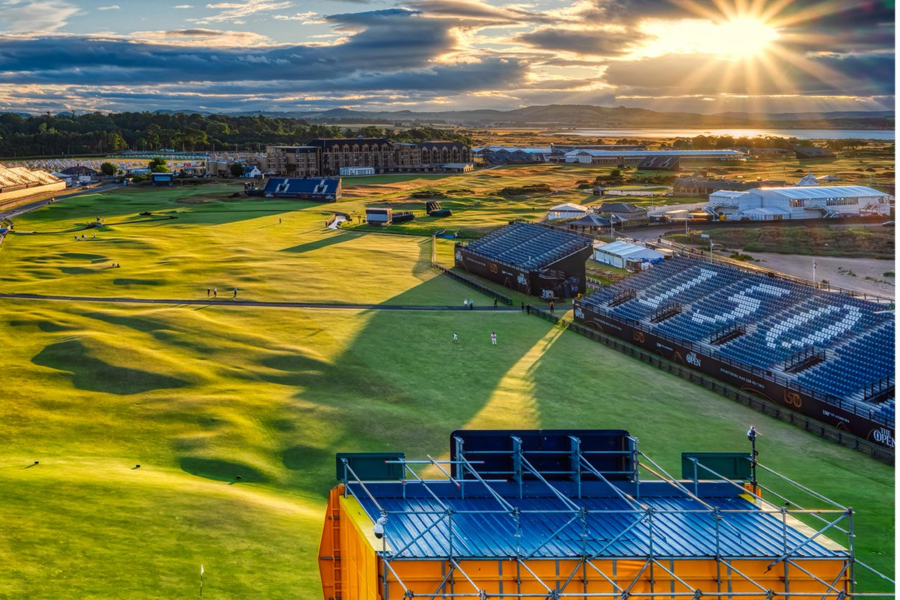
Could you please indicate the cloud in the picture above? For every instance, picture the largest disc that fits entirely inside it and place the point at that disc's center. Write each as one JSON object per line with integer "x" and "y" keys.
{"x": 26, "y": 16}
{"x": 305, "y": 18}
{"x": 113, "y": 7}
{"x": 675, "y": 74}
{"x": 436, "y": 53}
{"x": 597, "y": 42}
{"x": 235, "y": 12}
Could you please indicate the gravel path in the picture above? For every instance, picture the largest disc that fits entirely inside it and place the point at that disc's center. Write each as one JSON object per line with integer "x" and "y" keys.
{"x": 835, "y": 269}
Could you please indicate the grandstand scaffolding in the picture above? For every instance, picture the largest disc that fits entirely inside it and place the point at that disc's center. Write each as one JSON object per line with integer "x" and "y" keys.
{"x": 566, "y": 514}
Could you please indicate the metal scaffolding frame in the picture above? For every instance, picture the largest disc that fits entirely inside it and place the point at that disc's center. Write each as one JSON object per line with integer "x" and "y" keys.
{"x": 581, "y": 468}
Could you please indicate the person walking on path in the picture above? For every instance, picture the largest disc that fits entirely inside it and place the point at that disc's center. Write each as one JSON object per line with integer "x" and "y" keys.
{"x": 551, "y": 307}
{"x": 523, "y": 307}
{"x": 215, "y": 292}
{"x": 235, "y": 293}
{"x": 528, "y": 309}
{"x": 207, "y": 292}
{"x": 465, "y": 302}
{"x": 495, "y": 302}
{"x": 471, "y": 305}
{"x": 493, "y": 339}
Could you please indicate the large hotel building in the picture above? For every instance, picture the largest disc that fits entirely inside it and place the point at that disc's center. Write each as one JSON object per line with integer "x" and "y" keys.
{"x": 328, "y": 156}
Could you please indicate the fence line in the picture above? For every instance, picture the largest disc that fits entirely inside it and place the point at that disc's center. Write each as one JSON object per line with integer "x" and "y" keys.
{"x": 830, "y": 433}
{"x": 472, "y": 284}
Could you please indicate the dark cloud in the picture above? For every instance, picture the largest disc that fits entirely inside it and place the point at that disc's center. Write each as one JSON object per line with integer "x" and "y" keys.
{"x": 580, "y": 41}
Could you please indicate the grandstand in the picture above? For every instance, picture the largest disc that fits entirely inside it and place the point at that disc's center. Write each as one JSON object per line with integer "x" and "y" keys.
{"x": 532, "y": 259}
{"x": 575, "y": 514}
{"x": 20, "y": 182}
{"x": 825, "y": 354}
{"x": 322, "y": 189}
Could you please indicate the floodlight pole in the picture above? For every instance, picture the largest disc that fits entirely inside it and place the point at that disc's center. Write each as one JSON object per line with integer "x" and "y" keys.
{"x": 751, "y": 435}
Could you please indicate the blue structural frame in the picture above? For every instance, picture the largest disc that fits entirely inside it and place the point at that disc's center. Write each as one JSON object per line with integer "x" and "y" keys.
{"x": 525, "y": 513}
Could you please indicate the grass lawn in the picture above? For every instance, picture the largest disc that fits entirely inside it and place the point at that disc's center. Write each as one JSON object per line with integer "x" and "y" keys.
{"x": 199, "y": 395}
{"x": 851, "y": 242}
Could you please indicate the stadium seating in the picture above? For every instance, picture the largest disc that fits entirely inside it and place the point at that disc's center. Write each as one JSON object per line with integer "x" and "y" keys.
{"x": 527, "y": 246}
{"x": 778, "y": 320}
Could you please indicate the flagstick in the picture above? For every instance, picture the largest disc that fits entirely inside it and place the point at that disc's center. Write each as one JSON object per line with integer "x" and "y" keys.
{"x": 201, "y": 581}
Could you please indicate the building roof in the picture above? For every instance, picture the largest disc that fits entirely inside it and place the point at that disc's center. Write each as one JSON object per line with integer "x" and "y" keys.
{"x": 591, "y": 220}
{"x": 539, "y": 150}
{"x": 808, "y": 179}
{"x": 765, "y": 211}
{"x": 439, "y": 144}
{"x": 620, "y": 207}
{"x": 646, "y": 153}
{"x": 12, "y": 176}
{"x": 569, "y": 207}
{"x": 527, "y": 246}
{"x": 824, "y": 191}
{"x": 329, "y": 142}
{"x": 727, "y": 194}
{"x": 630, "y": 251}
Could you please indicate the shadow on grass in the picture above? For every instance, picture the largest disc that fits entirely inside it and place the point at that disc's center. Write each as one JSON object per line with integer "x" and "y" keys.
{"x": 400, "y": 385}
{"x": 92, "y": 374}
{"x": 220, "y": 470}
{"x": 331, "y": 240}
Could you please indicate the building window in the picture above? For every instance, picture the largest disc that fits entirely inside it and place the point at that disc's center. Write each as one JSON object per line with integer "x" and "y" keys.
{"x": 797, "y": 202}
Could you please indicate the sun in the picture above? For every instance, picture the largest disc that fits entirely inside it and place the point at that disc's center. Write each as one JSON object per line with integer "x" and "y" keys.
{"x": 740, "y": 37}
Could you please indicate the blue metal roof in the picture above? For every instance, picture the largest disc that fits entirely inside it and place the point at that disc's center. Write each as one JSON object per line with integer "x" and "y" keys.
{"x": 482, "y": 528}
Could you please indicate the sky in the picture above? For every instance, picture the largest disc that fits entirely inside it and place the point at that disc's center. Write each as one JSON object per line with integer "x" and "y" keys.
{"x": 705, "y": 56}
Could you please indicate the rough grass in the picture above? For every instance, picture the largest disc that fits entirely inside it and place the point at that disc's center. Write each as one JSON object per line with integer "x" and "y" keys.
{"x": 201, "y": 395}
{"x": 850, "y": 242}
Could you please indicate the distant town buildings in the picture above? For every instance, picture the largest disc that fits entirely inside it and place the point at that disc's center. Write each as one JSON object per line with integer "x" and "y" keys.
{"x": 622, "y": 158}
{"x": 328, "y": 156}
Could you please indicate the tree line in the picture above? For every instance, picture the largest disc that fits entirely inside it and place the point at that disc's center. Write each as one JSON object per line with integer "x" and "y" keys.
{"x": 106, "y": 133}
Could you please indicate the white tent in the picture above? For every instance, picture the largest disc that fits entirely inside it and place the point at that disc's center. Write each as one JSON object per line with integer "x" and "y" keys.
{"x": 808, "y": 180}
{"x": 617, "y": 254}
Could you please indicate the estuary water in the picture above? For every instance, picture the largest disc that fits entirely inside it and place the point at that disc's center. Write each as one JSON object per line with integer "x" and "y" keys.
{"x": 801, "y": 134}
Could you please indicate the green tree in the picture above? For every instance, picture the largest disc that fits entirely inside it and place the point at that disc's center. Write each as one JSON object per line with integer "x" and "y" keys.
{"x": 237, "y": 169}
{"x": 158, "y": 165}
{"x": 115, "y": 142}
{"x": 109, "y": 169}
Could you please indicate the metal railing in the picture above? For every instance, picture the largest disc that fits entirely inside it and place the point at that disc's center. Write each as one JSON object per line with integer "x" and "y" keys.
{"x": 647, "y": 541}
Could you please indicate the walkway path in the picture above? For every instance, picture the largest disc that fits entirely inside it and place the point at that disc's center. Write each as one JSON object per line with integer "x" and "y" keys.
{"x": 254, "y": 303}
